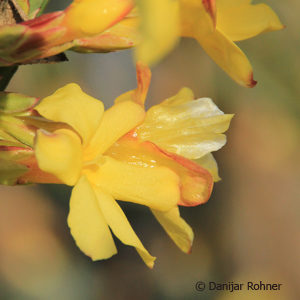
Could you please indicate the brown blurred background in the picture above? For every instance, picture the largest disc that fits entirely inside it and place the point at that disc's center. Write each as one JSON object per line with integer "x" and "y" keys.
{"x": 249, "y": 229}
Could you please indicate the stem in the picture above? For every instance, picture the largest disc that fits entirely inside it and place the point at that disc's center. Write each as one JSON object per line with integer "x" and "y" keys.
{"x": 6, "y": 73}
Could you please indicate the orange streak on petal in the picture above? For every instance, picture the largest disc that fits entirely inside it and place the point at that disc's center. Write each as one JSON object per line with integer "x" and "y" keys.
{"x": 35, "y": 174}
{"x": 196, "y": 183}
{"x": 44, "y": 20}
{"x": 143, "y": 75}
{"x": 210, "y": 7}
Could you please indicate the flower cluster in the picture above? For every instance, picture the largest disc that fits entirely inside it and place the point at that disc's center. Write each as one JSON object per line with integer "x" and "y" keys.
{"x": 160, "y": 158}
{"x": 153, "y": 26}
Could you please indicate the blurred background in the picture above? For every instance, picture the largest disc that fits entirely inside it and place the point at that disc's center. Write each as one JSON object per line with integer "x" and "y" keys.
{"x": 248, "y": 230}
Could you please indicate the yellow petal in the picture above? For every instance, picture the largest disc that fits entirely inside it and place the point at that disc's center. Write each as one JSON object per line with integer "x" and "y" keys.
{"x": 191, "y": 128}
{"x": 138, "y": 95}
{"x": 154, "y": 187}
{"x": 178, "y": 230}
{"x": 242, "y": 20}
{"x": 120, "y": 226}
{"x": 197, "y": 23}
{"x": 116, "y": 122}
{"x": 91, "y": 17}
{"x": 184, "y": 95}
{"x": 71, "y": 105}
{"x": 60, "y": 154}
{"x": 123, "y": 35}
{"x": 196, "y": 18}
{"x": 228, "y": 56}
{"x": 209, "y": 163}
{"x": 195, "y": 182}
{"x": 87, "y": 224}
{"x": 159, "y": 29}
{"x": 224, "y": 4}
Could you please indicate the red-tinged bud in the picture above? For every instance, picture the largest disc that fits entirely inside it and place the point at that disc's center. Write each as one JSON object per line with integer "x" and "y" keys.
{"x": 56, "y": 32}
{"x": 30, "y": 40}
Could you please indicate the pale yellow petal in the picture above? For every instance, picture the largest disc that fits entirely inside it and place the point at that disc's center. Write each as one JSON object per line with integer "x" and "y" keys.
{"x": 209, "y": 163}
{"x": 178, "y": 230}
{"x": 116, "y": 122}
{"x": 88, "y": 226}
{"x": 243, "y": 21}
{"x": 59, "y": 153}
{"x": 191, "y": 128}
{"x": 156, "y": 187}
{"x": 71, "y": 105}
{"x": 159, "y": 29}
{"x": 194, "y": 146}
{"x": 120, "y": 226}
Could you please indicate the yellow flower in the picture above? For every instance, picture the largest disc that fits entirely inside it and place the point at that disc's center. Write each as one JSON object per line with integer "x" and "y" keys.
{"x": 215, "y": 24}
{"x": 127, "y": 154}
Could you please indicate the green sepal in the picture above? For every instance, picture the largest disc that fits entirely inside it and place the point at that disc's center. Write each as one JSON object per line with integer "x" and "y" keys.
{"x": 13, "y": 103}
{"x": 36, "y": 7}
{"x": 21, "y": 44}
{"x": 11, "y": 37}
{"x": 12, "y": 162}
{"x": 7, "y": 138}
{"x": 15, "y": 154}
{"x": 17, "y": 129}
{"x": 11, "y": 171}
{"x": 8, "y": 143}
{"x": 22, "y": 5}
